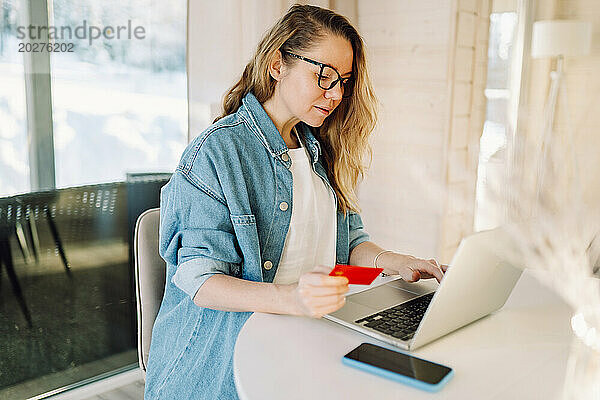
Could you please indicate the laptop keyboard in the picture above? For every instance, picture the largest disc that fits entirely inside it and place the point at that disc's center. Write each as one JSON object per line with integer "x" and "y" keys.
{"x": 400, "y": 321}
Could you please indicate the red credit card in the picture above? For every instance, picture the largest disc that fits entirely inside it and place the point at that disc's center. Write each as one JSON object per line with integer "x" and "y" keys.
{"x": 356, "y": 275}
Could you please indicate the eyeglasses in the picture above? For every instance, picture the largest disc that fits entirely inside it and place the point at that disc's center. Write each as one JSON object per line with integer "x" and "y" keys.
{"x": 327, "y": 76}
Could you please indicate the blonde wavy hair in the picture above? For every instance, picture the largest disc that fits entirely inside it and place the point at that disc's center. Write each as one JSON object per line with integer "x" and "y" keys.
{"x": 344, "y": 136}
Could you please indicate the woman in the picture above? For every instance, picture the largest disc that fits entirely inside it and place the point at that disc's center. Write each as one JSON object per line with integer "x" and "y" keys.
{"x": 262, "y": 204}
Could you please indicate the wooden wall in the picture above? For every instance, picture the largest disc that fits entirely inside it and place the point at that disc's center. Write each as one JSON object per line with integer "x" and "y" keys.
{"x": 428, "y": 62}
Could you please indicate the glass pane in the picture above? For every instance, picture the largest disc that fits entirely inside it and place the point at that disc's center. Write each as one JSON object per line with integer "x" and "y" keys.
{"x": 492, "y": 148}
{"x": 119, "y": 114}
{"x": 14, "y": 167}
{"x": 119, "y": 100}
{"x": 68, "y": 312}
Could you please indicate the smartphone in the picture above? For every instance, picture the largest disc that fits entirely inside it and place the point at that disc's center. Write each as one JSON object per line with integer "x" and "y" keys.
{"x": 401, "y": 367}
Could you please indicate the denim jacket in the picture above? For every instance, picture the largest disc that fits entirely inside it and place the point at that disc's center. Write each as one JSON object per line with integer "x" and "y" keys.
{"x": 226, "y": 210}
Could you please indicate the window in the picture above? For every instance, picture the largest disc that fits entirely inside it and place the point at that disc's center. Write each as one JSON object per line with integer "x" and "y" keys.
{"x": 492, "y": 153}
{"x": 14, "y": 165}
{"x": 119, "y": 105}
{"x": 118, "y": 119}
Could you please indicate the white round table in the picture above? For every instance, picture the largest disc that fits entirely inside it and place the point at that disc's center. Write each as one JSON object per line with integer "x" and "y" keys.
{"x": 519, "y": 352}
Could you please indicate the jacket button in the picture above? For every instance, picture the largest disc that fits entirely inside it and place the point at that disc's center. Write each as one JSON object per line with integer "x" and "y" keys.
{"x": 268, "y": 265}
{"x": 285, "y": 157}
{"x": 283, "y": 206}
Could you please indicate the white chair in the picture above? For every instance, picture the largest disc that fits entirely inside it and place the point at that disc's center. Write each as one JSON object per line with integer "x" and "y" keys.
{"x": 150, "y": 270}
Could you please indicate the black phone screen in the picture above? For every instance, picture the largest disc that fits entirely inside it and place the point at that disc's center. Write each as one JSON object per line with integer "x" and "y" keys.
{"x": 399, "y": 363}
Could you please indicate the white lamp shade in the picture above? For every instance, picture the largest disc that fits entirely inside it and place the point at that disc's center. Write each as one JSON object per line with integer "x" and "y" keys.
{"x": 561, "y": 38}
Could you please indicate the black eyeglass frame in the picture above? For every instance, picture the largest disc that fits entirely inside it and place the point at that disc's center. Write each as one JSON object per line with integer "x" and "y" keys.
{"x": 343, "y": 81}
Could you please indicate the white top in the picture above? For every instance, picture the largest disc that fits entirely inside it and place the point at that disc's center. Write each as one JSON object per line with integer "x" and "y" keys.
{"x": 311, "y": 237}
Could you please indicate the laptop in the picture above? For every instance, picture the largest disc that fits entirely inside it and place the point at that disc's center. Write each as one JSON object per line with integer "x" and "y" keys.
{"x": 407, "y": 315}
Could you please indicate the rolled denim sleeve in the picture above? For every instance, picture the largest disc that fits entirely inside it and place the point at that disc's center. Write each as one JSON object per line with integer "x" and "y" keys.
{"x": 357, "y": 233}
{"x": 196, "y": 233}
